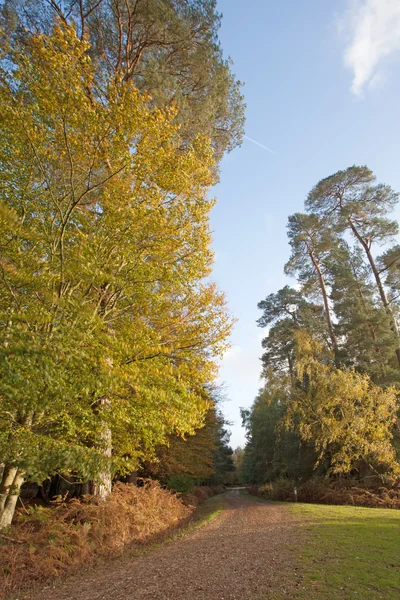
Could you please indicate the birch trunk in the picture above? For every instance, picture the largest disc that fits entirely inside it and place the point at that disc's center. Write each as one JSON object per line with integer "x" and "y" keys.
{"x": 10, "y": 488}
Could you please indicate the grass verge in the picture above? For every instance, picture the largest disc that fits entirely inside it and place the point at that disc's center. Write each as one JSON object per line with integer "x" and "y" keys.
{"x": 348, "y": 552}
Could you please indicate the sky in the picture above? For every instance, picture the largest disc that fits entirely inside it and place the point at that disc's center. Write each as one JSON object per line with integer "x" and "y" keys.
{"x": 322, "y": 88}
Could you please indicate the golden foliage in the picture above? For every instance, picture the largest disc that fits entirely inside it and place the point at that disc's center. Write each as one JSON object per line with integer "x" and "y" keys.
{"x": 342, "y": 413}
{"x": 105, "y": 241}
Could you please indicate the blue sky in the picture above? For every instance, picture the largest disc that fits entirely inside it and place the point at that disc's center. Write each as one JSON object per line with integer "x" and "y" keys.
{"x": 322, "y": 89}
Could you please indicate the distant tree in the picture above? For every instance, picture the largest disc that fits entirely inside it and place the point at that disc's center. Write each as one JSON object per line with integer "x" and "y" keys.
{"x": 224, "y": 466}
{"x": 192, "y": 455}
{"x": 237, "y": 458}
{"x": 271, "y": 450}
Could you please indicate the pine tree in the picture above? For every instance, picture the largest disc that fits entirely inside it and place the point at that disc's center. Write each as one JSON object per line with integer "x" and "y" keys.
{"x": 311, "y": 245}
{"x": 350, "y": 200}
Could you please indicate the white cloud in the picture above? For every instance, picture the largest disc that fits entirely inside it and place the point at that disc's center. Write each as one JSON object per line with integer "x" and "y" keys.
{"x": 373, "y": 27}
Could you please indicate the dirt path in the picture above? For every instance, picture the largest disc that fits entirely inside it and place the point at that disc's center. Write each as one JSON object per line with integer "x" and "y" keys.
{"x": 241, "y": 555}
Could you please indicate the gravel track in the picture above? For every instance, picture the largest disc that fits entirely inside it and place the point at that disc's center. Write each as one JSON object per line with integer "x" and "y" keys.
{"x": 243, "y": 554}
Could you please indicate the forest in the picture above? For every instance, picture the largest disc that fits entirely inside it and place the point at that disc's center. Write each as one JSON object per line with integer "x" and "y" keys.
{"x": 117, "y": 118}
{"x": 328, "y": 406}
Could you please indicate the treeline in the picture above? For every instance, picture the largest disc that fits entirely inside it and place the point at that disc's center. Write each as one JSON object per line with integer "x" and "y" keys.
{"x": 114, "y": 117}
{"x": 331, "y": 363}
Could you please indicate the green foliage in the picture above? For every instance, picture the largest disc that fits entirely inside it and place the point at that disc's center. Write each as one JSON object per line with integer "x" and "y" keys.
{"x": 109, "y": 332}
{"x": 168, "y": 49}
{"x": 271, "y": 450}
{"x": 332, "y": 354}
{"x": 180, "y": 482}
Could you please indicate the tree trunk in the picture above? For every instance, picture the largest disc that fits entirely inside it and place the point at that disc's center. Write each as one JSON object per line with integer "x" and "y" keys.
{"x": 328, "y": 317}
{"x": 102, "y": 484}
{"x": 381, "y": 289}
{"x": 10, "y": 487}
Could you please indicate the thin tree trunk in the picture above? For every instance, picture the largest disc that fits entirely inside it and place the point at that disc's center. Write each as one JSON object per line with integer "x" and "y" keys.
{"x": 381, "y": 289}
{"x": 328, "y": 317}
{"x": 13, "y": 478}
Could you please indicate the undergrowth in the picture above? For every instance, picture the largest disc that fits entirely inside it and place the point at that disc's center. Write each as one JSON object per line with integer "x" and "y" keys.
{"x": 46, "y": 542}
{"x": 322, "y": 491}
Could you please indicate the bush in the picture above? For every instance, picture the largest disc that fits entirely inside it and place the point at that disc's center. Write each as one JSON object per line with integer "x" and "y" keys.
{"x": 340, "y": 491}
{"x": 180, "y": 483}
{"x": 201, "y": 493}
{"x": 281, "y": 489}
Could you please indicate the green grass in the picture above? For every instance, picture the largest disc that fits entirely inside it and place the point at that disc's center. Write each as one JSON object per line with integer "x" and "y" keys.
{"x": 347, "y": 552}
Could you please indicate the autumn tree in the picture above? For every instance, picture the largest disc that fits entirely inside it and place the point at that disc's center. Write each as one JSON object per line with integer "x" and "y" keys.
{"x": 109, "y": 331}
{"x": 347, "y": 418}
{"x": 168, "y": 49}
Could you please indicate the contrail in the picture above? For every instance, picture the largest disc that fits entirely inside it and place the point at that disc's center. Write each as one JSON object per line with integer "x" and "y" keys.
{"x": 258, "y": 144}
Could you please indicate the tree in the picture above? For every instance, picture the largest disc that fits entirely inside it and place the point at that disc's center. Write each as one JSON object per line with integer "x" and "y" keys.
{"x": 168, "y": 49}
{"x": 343, "y": 414}
{"x": 349, "y": 200}
{"x": 272, "y": 450}
{"x": 109, "y": 333}
{"x": 224, "y": 466}
{"x": 237, "y": 458}
{"x": 311, "y": 245}
{"x": 389, "y": 267}
{"x": 363, "y": 326}
{"x": 191, "y": 455}
{"x": 204, "y": 457}
{"x": 288, "y": 311}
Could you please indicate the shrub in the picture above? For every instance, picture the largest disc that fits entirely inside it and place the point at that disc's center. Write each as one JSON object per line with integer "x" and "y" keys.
{"x": 201, "y": 493}
{"x": 281, "y": 489}
{"x": 180, "y": 483}
{"x": 338, "y": 491}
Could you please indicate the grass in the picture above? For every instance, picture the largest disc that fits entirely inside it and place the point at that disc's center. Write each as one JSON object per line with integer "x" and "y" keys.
{"x": 348, "y": 552}
{"x": 342, "y": 553}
